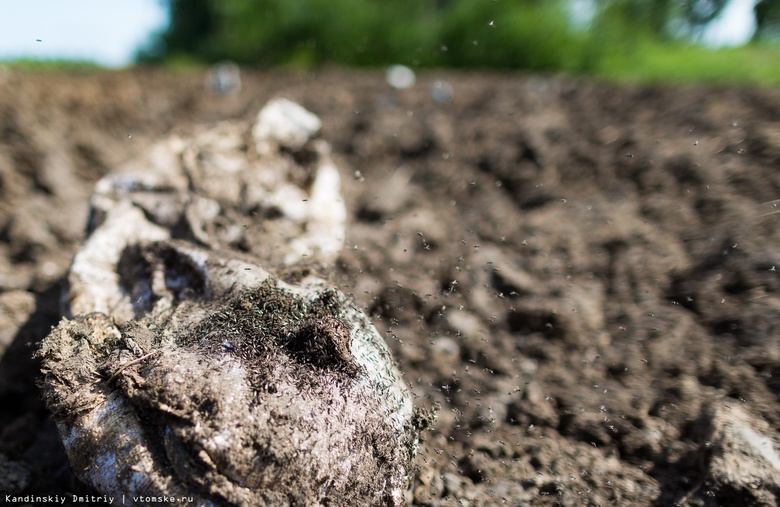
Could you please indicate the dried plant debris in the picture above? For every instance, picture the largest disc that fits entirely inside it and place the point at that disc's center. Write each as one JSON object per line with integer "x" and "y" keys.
{"x": 188, "y": 370}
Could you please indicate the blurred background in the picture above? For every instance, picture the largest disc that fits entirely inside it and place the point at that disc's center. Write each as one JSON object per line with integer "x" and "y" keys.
{"x": 642, "y": 40}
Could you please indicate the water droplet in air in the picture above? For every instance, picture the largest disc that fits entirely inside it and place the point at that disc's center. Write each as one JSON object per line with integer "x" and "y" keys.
{"x": 441, "y": 91}
{"x": 400, "y": 77}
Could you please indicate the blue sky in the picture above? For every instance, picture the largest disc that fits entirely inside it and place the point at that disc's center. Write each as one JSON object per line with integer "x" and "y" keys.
{"x": 109, "y": 32}
{"x": 735, "y": 25}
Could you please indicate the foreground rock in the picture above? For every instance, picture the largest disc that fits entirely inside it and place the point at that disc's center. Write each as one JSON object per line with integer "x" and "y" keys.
{"x": 188, "y": 370}
{"x": 743, "y": 464}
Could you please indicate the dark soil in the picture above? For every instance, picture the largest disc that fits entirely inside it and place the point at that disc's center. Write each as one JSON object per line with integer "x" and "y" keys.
{"x": 573, "y": 272}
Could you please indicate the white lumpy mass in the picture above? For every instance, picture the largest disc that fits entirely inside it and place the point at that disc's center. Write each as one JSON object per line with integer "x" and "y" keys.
{"x": 186, "y": 367}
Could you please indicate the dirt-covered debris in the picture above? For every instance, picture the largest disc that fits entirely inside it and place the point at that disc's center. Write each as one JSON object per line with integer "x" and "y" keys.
{"x": 231, "y": 409}
{"x": 187, "y": 371}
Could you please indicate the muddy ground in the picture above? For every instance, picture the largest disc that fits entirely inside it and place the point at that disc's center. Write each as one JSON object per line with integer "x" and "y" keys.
{"x": 580, "y": 276}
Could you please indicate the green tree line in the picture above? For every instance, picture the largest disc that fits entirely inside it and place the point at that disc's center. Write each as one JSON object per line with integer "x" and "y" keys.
{"x": 536, "y": 35}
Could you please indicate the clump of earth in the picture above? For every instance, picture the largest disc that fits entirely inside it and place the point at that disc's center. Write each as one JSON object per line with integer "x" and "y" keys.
{"x": 185, "y": 369}
{"x": 579, "y": 277}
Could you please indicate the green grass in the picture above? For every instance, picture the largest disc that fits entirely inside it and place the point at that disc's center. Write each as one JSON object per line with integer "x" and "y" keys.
{"x": 635, "y": 61}
{"x": 50, "y": 65}
{"x": 184, "y": 65}
{"x": 688, "y": 64}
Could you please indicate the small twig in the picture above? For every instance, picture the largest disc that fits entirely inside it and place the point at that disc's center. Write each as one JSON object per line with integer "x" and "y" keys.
{"x": 130, "y": 363}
